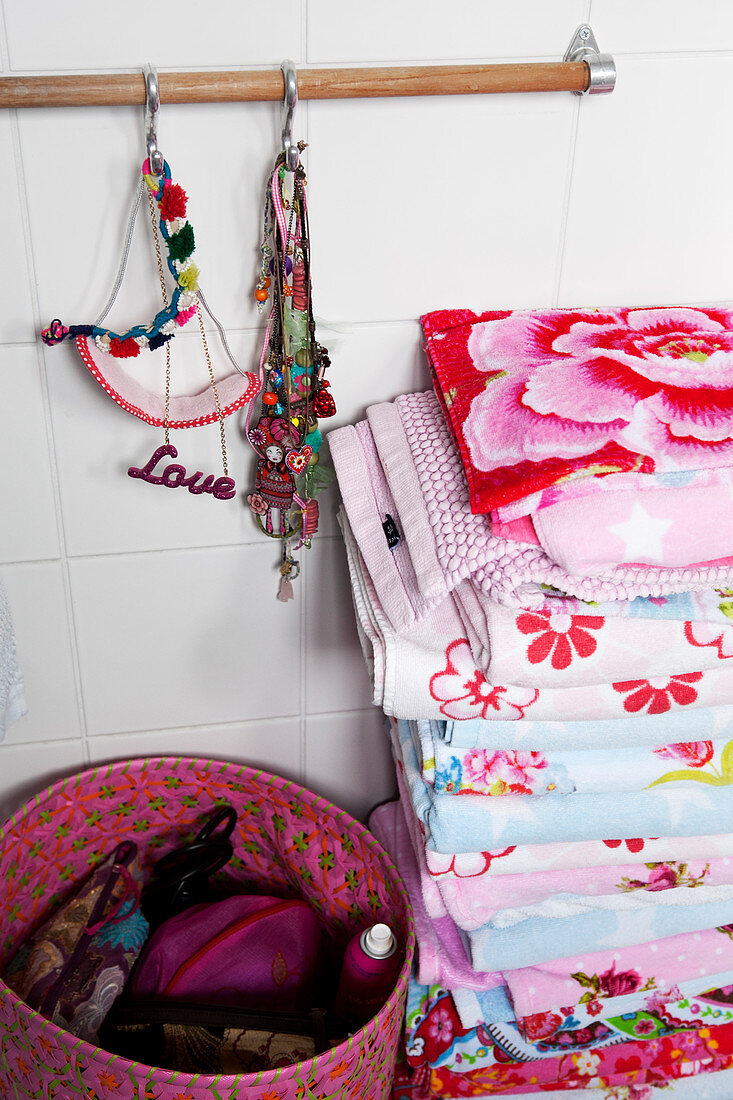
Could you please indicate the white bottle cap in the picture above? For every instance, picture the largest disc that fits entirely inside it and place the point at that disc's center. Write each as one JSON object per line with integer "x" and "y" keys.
{"x": 378, "y": 941}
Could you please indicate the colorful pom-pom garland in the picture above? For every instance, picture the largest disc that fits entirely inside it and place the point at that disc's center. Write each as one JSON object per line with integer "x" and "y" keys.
{"x": 180, "y": 243}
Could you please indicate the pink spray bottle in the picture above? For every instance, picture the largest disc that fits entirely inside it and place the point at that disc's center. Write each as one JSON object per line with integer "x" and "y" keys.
{"x": 368, "y": 974}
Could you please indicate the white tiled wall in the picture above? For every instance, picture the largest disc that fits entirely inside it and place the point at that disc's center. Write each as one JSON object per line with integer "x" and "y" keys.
{"x": 147, "y": 621}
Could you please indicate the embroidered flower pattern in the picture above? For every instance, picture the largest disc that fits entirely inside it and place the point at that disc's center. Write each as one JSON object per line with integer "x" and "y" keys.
{"x": 586, "y": 1062}
{"x": 611, "y": 983}
{"x": 464, "y": 864}
{"x": 541, "y": 1025}
{"x": 440, "y": 1024}
{"x": 657, "y": 382}
{"x": 449, "y": 779}
{"x": 439, "y": 1028}
{"x": 558, "y": 636}
{"x": 463, "y": 692}
{"x": 634, "y": 845}
{"x": 657, "y": 696}
{"x": 509, "y": 771}
{"x": 695, "y": 753}
{"x": 664, "y": 876}
{"x": 710, "y": 634}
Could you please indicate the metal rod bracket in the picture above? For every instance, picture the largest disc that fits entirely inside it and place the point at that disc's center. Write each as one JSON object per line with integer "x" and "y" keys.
{"x": 583, "y": 47}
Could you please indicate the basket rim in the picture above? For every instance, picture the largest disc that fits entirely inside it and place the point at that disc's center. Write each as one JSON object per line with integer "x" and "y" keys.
{"x": 296, "y": 1071}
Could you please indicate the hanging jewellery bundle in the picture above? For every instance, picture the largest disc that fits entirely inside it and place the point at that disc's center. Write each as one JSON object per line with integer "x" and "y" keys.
{"x": 295, "y": 392}
{"x": 104, "y": 351}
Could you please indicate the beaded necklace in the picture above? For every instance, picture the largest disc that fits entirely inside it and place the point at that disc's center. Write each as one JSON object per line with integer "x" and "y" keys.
{"x": 294, "y": 390}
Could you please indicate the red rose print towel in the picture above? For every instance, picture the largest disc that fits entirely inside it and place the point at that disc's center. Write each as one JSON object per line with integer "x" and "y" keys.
{"x": 535, "y": 398}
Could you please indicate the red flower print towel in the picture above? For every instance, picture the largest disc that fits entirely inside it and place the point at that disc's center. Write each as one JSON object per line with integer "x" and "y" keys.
{"x": 538, "y": 397}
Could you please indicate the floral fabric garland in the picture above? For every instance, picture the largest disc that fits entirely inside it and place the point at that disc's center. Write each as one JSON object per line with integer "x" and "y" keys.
{"x": 179, "y": 240}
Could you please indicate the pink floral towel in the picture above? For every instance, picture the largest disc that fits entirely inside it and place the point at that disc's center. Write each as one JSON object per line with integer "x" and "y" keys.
{"x": 598, "y": 975}
{"x": 537, "y": 397}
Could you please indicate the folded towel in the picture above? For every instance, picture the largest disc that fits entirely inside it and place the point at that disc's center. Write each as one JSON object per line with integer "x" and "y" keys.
{"x": 399, "y": 471}
{"x": 473, "y": 823}
{"x": 554, "y": 648}
{"x": 537, "y": 397}
{"x": 549, "y": 1034}
{"x": 471, "y": 890}
{"x": 441, "y": 954}
{"x": 675, "y": 726}
{"x": 652, "y": 967}
{"x": 708, "y": 605}
{"x": 553, "y": 774}
{"x": 669, "y": 527}
{"x": 706, "y": 1082}
{"x": 703, "y": 998}
{"x": 525, "y": 860}
{"x": 12, "y": 689}
{"x": 575, "y": 489}
{"x": 623, "y": 1071}
{"x": 511, "y": 572}
{"x": 540, "y": 939}
{"x": 429, "y": 670}
{"x": 593, "y": 650}
{"x": 401, "y": 665}
{"x": 467, "y": 1062}
{"x": 506, "y": 1037}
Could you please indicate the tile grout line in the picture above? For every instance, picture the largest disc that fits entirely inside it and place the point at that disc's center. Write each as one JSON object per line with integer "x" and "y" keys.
{"x": 4, "y": 41}
{"x": 50, "y": 436}
{"x": 153, "y": 551}
{"x": 570, "y": 173}
{"x": 255, "y": 723}
{"x": 567, "y": 198}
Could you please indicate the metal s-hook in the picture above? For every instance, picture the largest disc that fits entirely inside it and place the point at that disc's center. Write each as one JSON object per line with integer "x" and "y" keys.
{"x": 152, "y": 105}
{"x": 290, "y": 148}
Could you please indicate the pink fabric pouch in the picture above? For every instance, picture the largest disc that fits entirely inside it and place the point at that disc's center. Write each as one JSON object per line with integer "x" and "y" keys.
{"x": 246, "y": 951}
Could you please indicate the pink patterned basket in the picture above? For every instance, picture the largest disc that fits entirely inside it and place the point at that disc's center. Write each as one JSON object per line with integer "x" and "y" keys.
{"x": 287, "y": 841}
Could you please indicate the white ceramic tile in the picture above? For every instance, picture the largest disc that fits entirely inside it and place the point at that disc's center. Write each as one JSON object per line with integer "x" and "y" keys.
{"x": 426, "y": 30}
{"x": 348, "y": 760}
{"x": 273, "y": 745}
{"x": 104, "y": 510}
{"x": 450, "y": 202}
{"x": 25, "y": 770}
{"x": 658, "y": 26}
{"x": 336, "y": 675}
{"x": 219, "y": 153}
{"x": 184, "y": 638}
{"x": 370, "y": 363}
{"x": 80, "y": 35}
{"x": 649, "y": 224}
{"x": 38, "y": 605}
{"x": 28, "y": 529}
{"x": 16, "y": 315}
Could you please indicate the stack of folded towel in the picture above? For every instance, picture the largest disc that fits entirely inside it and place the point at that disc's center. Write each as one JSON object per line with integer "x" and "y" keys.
{"x": 541, "y": 560}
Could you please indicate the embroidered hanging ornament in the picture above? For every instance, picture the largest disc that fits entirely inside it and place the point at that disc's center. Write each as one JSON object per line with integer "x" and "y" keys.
{"x": 295, "y": 392}
{"x": 103, "y": 350}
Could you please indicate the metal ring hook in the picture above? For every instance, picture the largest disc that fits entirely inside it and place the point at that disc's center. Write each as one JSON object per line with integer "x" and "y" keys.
{"x": 152, "y": 106}
{"x": 290, "y": 148}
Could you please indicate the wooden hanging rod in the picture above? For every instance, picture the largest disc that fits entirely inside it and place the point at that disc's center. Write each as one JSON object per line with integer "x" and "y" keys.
{"x": 122, "y": 89}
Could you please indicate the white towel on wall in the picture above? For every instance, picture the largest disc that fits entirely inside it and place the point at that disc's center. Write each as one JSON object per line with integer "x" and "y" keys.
{"x": 12, "y": 690}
